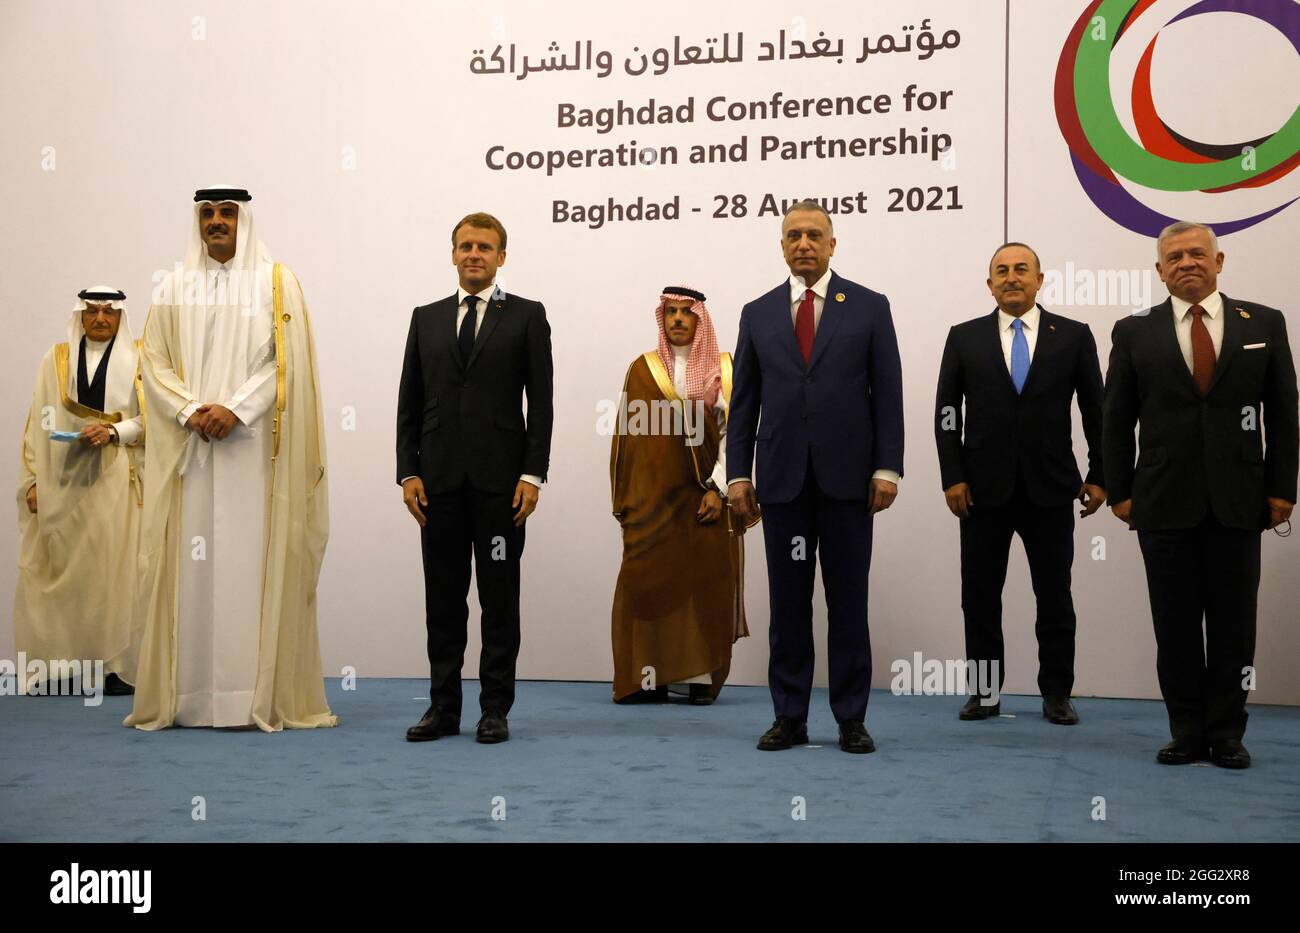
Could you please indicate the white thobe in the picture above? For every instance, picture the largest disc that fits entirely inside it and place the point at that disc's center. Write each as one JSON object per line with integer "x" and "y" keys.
{"x": 223, "y": 544}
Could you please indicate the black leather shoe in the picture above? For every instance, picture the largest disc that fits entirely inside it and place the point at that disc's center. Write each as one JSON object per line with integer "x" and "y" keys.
{"x": 973, "y": 710}
{"x": 785, "y": 733}
{"x": 1059, "y": 709}
{"x": 658, "y": 695}
{"x": 1182, "y": 752}
{"x": 434, "y": 725}
{"x": 701, "y": 695}
{"x": 855, "y": 738}
{"x": 1230, "y": 753}
{"x": 492, "y": 728}
{"x": 115, "y": 686}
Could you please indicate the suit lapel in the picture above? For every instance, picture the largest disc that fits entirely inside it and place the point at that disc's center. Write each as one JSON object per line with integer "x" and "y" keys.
{"x": 783, "y": 323}
{"x": 1162, "y": 319}
{"x": 1044, "y": 344}
{"x": 1232, "y": 341}
{"x": 833, "y": 312}
{"x": 993, "y": 346}
{"x": 447, "y": 326}
{"x": 491, "y": 317}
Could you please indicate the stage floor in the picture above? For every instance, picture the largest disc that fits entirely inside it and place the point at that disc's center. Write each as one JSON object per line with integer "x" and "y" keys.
{"x": 579, "y": 768}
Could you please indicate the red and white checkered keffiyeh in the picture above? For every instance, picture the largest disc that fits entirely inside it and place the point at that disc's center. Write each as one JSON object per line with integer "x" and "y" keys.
{"x": 703, "y": 371}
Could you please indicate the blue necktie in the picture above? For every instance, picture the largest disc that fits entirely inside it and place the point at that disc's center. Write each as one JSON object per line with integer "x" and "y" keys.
{"x": 1019, "y": 355}
{"x": 466, "y": 336}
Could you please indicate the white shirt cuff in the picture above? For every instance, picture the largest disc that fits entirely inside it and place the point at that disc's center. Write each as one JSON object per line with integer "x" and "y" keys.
{"x": 889, "y": 476}
{"x": 532, "y": 480}
{"x": 128, "y": 432}
{"x": 187, "y": 412}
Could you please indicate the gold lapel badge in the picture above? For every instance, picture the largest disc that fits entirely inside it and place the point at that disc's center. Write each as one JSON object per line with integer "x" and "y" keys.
{"x": 839, "y": 296}
{"x": 1244, "y": 313}
{"x": 1052, "y": 328}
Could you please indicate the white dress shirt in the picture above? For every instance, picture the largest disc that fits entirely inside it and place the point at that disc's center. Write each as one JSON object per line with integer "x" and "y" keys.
{"x": 1213, "y": 305}
{"x": 797, "y": 290}
{"x": 1007, "y": 332}
{"x": 462, "y": 308}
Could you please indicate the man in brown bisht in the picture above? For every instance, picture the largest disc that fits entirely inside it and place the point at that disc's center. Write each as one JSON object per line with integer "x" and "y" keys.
{"x": 679, "y": 602}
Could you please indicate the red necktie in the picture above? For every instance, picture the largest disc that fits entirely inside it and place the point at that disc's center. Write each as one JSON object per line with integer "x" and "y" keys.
{"x": 803, "y": 326}
{"x": 1202, "y": 351}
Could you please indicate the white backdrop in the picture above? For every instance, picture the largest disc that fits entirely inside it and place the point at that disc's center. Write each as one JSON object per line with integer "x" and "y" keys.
{"x": 363, "y": 133}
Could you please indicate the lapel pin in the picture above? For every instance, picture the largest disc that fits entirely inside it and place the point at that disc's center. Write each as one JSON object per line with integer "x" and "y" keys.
{"x": 839, "y": 296}
{"x": 1244, "y": 313}
{"x": 1052, "y": 327}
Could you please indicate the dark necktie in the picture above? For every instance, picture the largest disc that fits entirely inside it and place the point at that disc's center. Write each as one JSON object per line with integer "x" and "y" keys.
{"x": 466, "y": 336}
{"x": 1202, "y": 351}
{"x": 803, "y": 326}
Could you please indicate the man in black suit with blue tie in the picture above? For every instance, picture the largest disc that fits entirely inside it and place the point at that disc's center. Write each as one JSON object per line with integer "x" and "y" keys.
{"x": 818, "y": 390}
{"x": 1014, "y": 471}
{"x": 470, "y": 468}
{"x": 1211, "y": 382}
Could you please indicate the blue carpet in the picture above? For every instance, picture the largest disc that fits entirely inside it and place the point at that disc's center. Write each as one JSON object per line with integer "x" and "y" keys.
{"x": 578, "y": 768}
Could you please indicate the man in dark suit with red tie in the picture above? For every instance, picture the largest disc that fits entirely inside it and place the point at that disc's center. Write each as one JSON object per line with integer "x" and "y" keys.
{"x": 470, "y": 467}
{"x": 818, "y": 391}
{"x": 1018, "y": 370}
{"x": 1211, "y": 382}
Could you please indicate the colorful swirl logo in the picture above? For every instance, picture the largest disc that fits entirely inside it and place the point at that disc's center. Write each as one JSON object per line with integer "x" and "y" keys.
{"x": 1161, "y": 159}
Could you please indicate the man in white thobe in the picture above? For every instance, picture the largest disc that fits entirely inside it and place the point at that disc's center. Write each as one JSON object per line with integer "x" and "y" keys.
{"x": 235, "y": 518}
{"x": 79, "y": 502}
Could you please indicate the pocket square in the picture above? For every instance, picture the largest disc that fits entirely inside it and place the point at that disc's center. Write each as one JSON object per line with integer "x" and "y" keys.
{"x": 1254, "y": 346}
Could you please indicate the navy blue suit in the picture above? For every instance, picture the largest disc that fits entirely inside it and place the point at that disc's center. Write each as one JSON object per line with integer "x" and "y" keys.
{"x": 820, "y": 431}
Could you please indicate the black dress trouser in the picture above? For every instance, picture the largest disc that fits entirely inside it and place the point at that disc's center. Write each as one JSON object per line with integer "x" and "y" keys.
{"x": 460, "y": 523}
{"x": 1048, "y": 536}
{"x": 1208, "y": 572}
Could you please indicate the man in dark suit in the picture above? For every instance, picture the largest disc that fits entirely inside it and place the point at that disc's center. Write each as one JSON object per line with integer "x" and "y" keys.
{"x": 817, "y": 358}
{"x": 1195, "y": 372}
{"x": 1014, "y": 472}
{"x": 470, "y": 468}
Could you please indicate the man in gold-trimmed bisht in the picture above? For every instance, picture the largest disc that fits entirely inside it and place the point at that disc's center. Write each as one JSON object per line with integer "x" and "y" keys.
{"x": 235, "y": 509}
{"x": 79, "y": 499}
{"x": 679, "y": 602}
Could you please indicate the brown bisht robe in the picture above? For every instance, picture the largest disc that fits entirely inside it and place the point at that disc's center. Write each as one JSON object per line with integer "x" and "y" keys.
{"x": 679, "y": 602}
